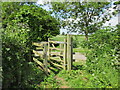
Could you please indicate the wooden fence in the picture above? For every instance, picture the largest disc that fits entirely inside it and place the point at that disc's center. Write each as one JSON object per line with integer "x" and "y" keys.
{"x": 54, "y": 53}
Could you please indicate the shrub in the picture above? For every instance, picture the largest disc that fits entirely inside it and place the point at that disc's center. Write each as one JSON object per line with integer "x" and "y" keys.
{"x": 101, "y": 61}
{"x": 23, "y": 23}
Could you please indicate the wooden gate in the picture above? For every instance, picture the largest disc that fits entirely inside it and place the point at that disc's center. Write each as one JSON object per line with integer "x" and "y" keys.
{"x": 55, "y": 54}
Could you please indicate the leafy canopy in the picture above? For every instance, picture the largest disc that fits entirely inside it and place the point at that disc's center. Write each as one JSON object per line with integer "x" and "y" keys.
{"x": 85, "y": 17}
{"x": 23, "y": 23}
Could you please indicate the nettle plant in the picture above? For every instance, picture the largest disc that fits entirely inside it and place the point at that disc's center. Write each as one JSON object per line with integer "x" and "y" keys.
{"x": 101, "y": 61}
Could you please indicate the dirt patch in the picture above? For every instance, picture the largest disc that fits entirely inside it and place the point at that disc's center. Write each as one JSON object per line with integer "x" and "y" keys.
{"x": 79, "y": 57}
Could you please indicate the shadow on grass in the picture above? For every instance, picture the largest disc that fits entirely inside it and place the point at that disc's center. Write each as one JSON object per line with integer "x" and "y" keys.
{"x": 78, "y": 67}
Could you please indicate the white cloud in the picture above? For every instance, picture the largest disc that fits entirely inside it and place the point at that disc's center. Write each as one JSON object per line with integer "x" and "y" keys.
{"x": 112, "y": 22}
{"x": 40, "y": 2}
{"x": 43, "y": 1}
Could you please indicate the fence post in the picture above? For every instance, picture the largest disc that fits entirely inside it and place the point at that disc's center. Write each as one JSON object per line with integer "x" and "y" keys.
{"x": 45, "y": 58}
{"x": 69, "y": 52}
{"x": 61, "y": 46}
{"x": 48, "y": 49}
{"x": 65, "y": 54}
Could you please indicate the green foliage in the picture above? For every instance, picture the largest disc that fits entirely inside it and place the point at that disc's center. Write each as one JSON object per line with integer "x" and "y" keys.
{"x": 83, "y": 79}
{"x": 100, "y": 71}
{"x": 76, "y": 78}
{"x": 63, "y": 33}
{"x": 117, "y": 2}
{"x": 82, "y": 17}
{"x": 102, "y": 61}
{"x": 81, "y": 50}
{"x": 18, "y": 71}
{"x": 77, "y": 39}
{"x": 23, "y": 23}
{"x": 39, "y": 22}
{"x": 49, "y": 82}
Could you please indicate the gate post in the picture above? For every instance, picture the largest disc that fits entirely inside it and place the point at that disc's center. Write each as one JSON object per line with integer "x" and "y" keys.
{"x": 61, "y": 46}
{"x": 69, "y": 52}
{"x": 45, "y": 58}
{"x": 65, "y": 54}
{"x": 48, "y": 49}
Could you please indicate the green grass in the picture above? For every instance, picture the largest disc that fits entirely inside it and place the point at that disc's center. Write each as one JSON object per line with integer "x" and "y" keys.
{"x": 49, "y": 82}
{"x": 81, "y": 50}
{"x": 77, "y": 39}
{"x": 59, "y": 38}
{"x": 79, "y": 64}
{"x": 81, "y": 79}
{"x": 76, "y": 78}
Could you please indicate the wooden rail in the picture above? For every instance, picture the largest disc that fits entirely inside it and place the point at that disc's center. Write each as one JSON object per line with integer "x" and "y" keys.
{"x": 37, "y": 44}
{"x": 37, "y": 53}
{"x": 55, "y": 53}
{"x": 53, "y": 48}
{"x": 41, "y": 65}
{"x": 57, "y": 42}
{"x": 52, "y": 58}
{"x": 57, "y": 65}
{"x": 60, "y": 57}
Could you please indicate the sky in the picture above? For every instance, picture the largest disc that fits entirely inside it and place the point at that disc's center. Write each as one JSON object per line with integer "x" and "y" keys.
{"x": 112, "y": 22}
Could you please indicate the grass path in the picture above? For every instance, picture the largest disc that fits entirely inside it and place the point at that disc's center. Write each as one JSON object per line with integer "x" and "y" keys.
{"x": 74, "y": 78}
{"x": 63, "y": 83}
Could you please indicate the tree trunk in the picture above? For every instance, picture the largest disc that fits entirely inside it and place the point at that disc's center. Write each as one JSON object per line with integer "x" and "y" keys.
{"x": 86, "y": 35}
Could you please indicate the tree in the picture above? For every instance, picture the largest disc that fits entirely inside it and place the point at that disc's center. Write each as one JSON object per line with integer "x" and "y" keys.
{"x": 30, "y": 16}
{"x": 63, "y": 33}
{"x": 23, "y": 23}
{"x": 85, "y": 17}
